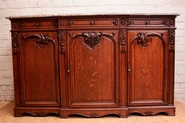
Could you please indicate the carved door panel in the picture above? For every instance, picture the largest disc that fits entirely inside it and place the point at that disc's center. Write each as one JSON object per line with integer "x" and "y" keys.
{"x": 93, "y": 68}
{"x": 147, "y": 67}
{"x": 39, "y": 69}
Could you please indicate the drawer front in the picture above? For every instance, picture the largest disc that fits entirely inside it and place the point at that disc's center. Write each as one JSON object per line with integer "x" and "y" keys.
{"x": 134, "y": 22}
{"x": 36, "y": 24}
{"x": 93, "y": 22}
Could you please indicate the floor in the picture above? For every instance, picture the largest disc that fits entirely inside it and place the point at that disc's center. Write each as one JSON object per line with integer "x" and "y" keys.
{"x": 6, "y": 116}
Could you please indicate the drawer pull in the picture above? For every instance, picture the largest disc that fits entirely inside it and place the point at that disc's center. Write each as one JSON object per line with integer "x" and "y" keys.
{"x": 68, "y": 70}
{"x": 37, "y": 24}
{"x": 147, "y": 22}
{"x": 92, "y": 22}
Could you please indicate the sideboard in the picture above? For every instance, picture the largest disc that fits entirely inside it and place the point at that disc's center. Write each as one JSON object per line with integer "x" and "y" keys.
{"x": 93, "y": 65}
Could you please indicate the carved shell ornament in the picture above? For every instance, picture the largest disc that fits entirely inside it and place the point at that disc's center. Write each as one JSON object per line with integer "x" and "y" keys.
{"x": 143, "y": 39}
{"x": 92, "y": 39}
{"x": 42, "y": 39}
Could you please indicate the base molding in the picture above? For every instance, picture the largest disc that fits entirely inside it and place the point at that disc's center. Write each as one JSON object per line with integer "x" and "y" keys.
{"x": 152, "y": 110}
{"x": 36, "y": 111}
{"x": 94, "y": 112}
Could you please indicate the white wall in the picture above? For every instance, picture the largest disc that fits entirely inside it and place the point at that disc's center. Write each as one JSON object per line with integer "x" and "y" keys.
{"x": 53, "y": 7}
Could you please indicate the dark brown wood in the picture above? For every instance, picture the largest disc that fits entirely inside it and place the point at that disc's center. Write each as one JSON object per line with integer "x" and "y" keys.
{"x": 94, "y": 65}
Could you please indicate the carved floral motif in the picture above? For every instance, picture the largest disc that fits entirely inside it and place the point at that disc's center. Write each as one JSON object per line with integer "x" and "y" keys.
{"x": 40, "y": 114}
{"x": 91, "y": 39}
{"x": 169, "y": 22}
{"x": 55, "y": 23}
{"x": 148, "y": 113}
{"x": 42, "y": 39}
{"x": 69, "y": 23}
{"x": 115, "y": 22}
{"x": 20, "y": 24}
{"x": 164, "y": 22}
{"x": 15, "y": 42}
{"x": 61, "y": 36}
{"x": 123, "y": 21}
{"x": 14, "y": 25}
{"x": 123, "y": 40}
{"x": 130, "y": 22}
{"x": 94, "y": 115}
{"x": 62, "y": 23}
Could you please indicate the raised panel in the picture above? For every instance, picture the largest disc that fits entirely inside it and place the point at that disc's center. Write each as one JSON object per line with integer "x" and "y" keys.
{"x": 40, "y": 83}
{"x": 147, "y": 67}
{"x": 93, "y": 68}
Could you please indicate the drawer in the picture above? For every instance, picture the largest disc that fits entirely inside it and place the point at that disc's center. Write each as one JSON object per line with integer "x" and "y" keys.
{"x": 92, "y": 22}
{"x": 148, "y": 22}
{"x": 35, "y": 24}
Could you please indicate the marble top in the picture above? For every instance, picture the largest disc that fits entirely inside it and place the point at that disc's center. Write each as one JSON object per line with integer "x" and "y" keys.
{"x": 93, "y": 14}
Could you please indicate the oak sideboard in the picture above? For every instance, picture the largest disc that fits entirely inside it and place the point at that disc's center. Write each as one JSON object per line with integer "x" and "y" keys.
{"x": 93, "y": 65}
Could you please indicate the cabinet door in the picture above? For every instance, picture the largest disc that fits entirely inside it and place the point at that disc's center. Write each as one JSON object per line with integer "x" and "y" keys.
{"x": 39, "y": 69}
{"x": 93, "y": 68}
{"x": 147, "y": 67}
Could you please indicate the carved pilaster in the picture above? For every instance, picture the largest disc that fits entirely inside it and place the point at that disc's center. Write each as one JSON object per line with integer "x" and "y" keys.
{"x": 61, "y": 36}
{"x": 171, "y": 39}
{"x": 123, "y": 40}
{"x": 15, "y": 42}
